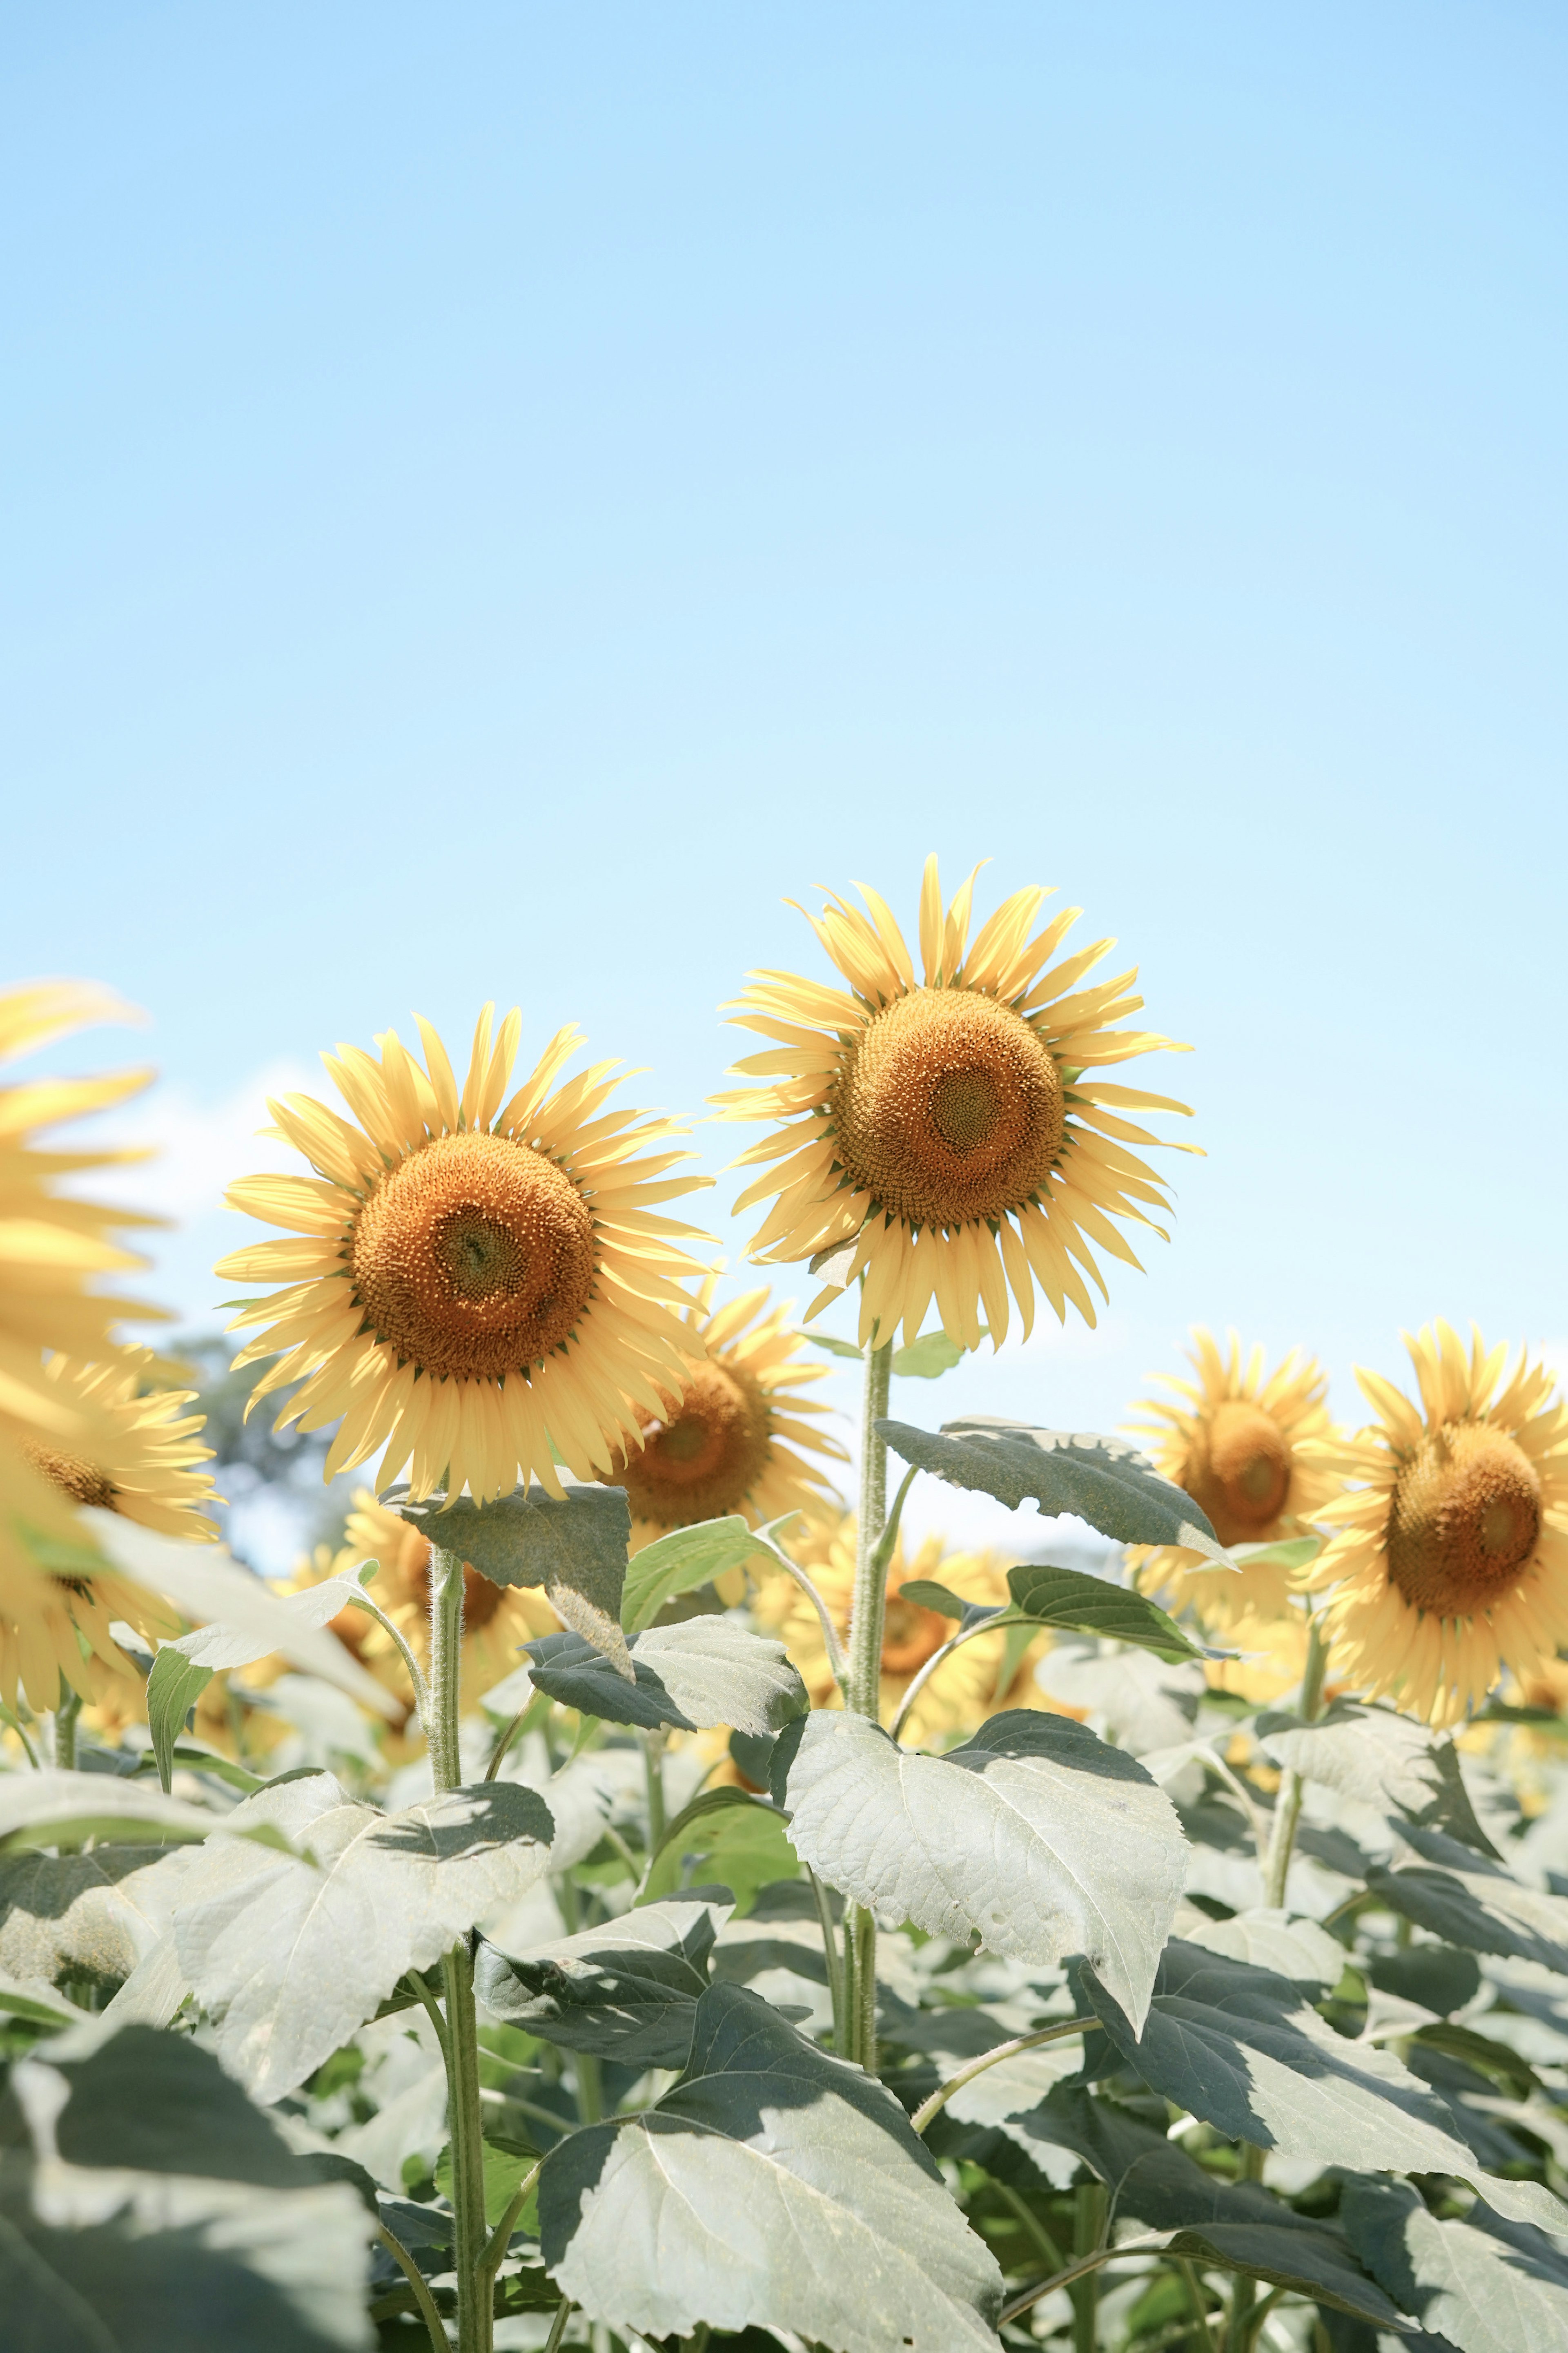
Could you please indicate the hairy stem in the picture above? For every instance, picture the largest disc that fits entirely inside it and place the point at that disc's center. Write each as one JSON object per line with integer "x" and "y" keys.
{"x": 944, "y": 2092}
{"x": 1078, "y": 2270}
{"x": 1199, "y": 2304}
{"x": 1088, "y": 2227}
{"x": 830, "y": 1954}
{"x": 422, "y": 2296}
{"x": 558, "y": 2326}
{"x": 362, "y": 1600}
{"x": 464, "y": 2111}
{"x": 939, "y": 1658}
{"x": 653, "y": 1778}
{"x": 66, "y": 1716}
{"x": 1288, "y": 1812}
{"x": 863, "y": 1690}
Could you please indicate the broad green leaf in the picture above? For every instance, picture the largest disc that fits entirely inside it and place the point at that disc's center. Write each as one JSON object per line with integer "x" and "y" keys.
{"x": 204, "y": 1582}
{"x": 65, "y": 1809}
{"x": 1458, "y": 1896}
{"x": 1438, "y": 1977}
{"x": 150, "y": 2209}
{"x": 1034, "y": 1835}
{"x": 576, "y": 1550}
{"x": 1290, "y": 1552}
{"x": 292, "y": 1957}
{"x": 1484, "y": 2285}
{"x": 740, "y": 1840}
{"x": 1073, "y": 1602}
{"x": 1143, "y": 1701}
{"x": 504, "y": 2169}
{"x": 1294, "y": 1948}
{"x": 681, "y": 1561}
{"x": 219, "y": 1646}
{"x": 834, "y": 1347}
{"x": 927, "y": 1358}
{"x": 1236, "y": 2227}
{"x": 701, "y": 1672}
{"x": 34, "y": 2002}
{"x": 198, "y": 1758}
{"x": 81, "y": 1915}
{"x": 1240, "y": 2048}
{"x": 173, "y": 1688}
{"x": 628, "y": 1990}
{"x": 771, "y": 2186}
{"x": 927, "y": 1594}
{"x": 1377, "y": 1757}
{"x": 1101, "y": 1479}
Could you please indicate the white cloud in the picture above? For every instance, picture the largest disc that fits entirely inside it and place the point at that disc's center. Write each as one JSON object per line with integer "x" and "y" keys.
{"x": 199, "y": 1148}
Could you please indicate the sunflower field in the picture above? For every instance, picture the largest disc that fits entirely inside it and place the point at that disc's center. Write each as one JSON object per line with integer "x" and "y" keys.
{"x": 619, "y": 1893}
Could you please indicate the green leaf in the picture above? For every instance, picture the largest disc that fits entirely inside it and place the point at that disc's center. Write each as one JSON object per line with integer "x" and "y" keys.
{"x": 1240, "y": 2048}
{"x": 739, "y": 1840}
{"x": 627, "y": 1989}
{"x": 1291, "y": 1552}
{"x": 770, "y": 2186}
{"x": 834, "y": 1347}
{"x": 199, "y": 1759}
{"x": 701, "y": 1672}
{"x": 576, "y": 1550}
{"x": 1074, "y": 1602}
{"x": 676, "y": 1563}
{"x": 1484, "y": 2285}
{"x": 1101, "y": 1479}
{"x": 1034, "y": 1834}
{"x": 1438, "y": 1977}
{"x": 927, "y": 1594}
{"x": 204, "y": 1582}
{"x": 80, "y": 1915}
{"x": 65, "y": 1809}
{"x": 34, "y": 2002}
{"x": 174, "y": 1687}
{"x": 1267, "y": 1939}
{"x": 1377, "y": 1757}
{"x": 1458, "y": 1896}
{"x": 927, "y": 1358}
{"x": 292, "y": 1957}
{"x": 220, "y": 2235}
{"x": 505, "y": 2165}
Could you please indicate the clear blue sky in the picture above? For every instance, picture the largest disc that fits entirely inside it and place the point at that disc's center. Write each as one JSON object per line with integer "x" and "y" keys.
{"x": 498, "y": 497}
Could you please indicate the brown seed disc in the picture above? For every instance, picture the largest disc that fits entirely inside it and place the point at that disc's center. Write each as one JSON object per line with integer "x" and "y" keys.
{"x": 949, "y": 1108}
{"x": 1464, "y": 1520}
{"x": 481, "y": 1599}
{"x": 1238, "y": 1468}
{"x": 910, "y": 1635}
{"x": 707, "y": 1453}
{"x": 474, "y": 1257}
{"x": 82, "y": 1481}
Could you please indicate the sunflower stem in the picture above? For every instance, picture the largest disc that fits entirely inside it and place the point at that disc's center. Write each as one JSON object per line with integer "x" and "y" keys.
{"x": 465, "y": 2115}
{"x": 66, "y": 1716}
{"x": 864, "y": 1689}
{"x": 653, "y": 1778}
{"x": 1287, "y": 1811}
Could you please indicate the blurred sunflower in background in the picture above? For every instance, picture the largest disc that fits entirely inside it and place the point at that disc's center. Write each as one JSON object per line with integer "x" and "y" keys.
{"x": 132, "y": 1450}
{"x": 476, "y": 1281}
{"x": 734, "y": 1436}
{"x": 952, "y": 1129}
{"x": 1451, "y": 1559}
{"x": 1235, "y": 1442}
{"x": 54, "y": 1250}
{"x": 987, "y": 1675}
{"x": 497, "y": 1619}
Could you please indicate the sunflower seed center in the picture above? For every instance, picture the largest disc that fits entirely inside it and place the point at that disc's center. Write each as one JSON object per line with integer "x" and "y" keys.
{"x": 948, "y": 1108}
{"x": 1465, "y": 1519}
{"x": 1240, "y": 1471}
{"x": 474, "y": 1257}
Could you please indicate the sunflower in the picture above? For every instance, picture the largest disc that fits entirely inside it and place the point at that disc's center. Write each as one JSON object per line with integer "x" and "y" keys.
{"x": 952, "y": 1130}
{"x": 480, "y": 1285}
{"x": 497, "y": 1619}
{"x": 978, "y": 1681}
{"x": 1452, "y": 1557}
{"x": 724, "y": 1441}
{"x": 52, "y": 1250}
{"x": 1233, "y": 1442}
{"x": 132, "y": 1451}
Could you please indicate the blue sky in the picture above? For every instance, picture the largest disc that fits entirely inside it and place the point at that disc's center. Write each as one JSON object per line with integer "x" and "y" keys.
{"x": 498, "y": 497}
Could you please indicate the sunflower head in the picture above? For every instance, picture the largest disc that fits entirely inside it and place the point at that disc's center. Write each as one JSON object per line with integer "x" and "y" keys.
{"x": 480, "y": 1283}
{"x": 1451, "y": 1557}
{"x": 950, "y": 1132}
{"x": 736, "y": 1435}
{"x": 1236, "y": 1437}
